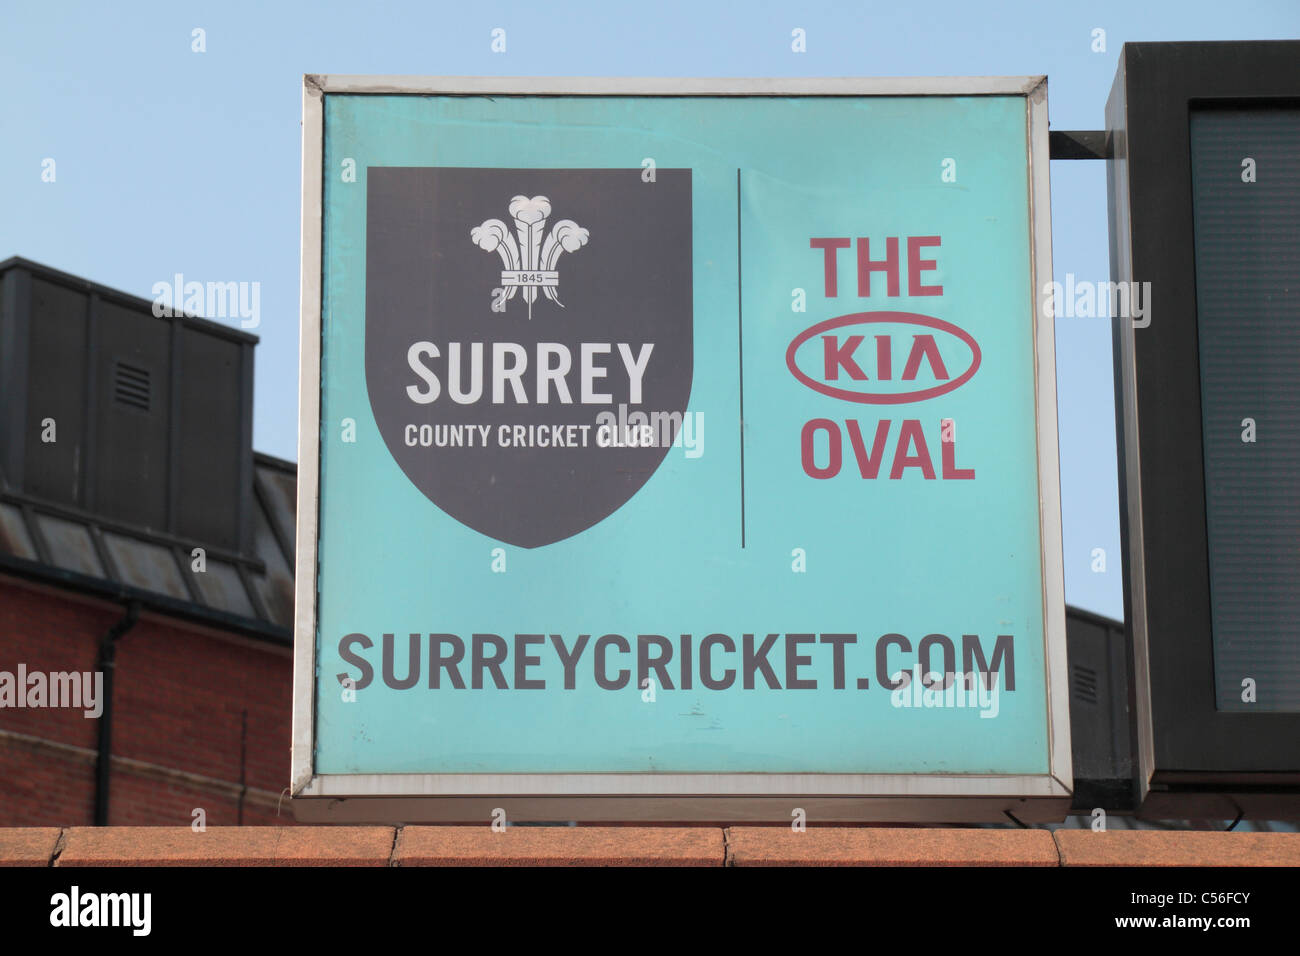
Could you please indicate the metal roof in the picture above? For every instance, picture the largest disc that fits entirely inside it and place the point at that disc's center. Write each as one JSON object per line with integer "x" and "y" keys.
{"x": 249, "y": 593}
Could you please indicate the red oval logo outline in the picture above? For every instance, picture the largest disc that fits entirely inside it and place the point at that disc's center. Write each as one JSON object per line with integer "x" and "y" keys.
{"x": 868, "y": 318}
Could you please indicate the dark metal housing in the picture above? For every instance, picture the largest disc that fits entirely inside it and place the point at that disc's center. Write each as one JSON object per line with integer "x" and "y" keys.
{"x": 1188, "y": 741}
{"x": 152, "y": 456}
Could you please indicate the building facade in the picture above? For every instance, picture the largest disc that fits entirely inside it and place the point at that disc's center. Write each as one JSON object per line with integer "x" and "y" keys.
{"x": 146, "y": 559}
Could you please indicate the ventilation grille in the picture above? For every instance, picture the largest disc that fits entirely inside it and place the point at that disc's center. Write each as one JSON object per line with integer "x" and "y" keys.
{"x": 1085, "y": 684}
{"x": 131, "y": 386}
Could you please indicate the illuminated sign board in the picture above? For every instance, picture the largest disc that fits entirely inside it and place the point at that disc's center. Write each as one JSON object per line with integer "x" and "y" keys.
{"x": 678, "y": 449}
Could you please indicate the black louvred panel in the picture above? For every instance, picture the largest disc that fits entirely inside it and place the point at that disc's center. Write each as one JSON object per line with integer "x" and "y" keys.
{"x": 132, "y": 386}
{"x": 1085, "y": 684}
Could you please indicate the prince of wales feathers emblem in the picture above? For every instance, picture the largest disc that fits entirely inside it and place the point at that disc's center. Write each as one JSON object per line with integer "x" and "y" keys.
{"x": 530, "y": 262}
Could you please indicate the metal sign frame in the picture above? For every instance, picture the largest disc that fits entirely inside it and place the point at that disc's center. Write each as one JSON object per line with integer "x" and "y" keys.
{"x": 1183, "y": 743}
{"x": 680, "y": 797}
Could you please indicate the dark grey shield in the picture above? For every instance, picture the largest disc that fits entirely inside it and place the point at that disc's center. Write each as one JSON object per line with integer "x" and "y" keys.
{"x": 428, "y": 281}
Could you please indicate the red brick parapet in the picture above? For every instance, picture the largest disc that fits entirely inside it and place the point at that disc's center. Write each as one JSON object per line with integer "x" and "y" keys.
{"x": 1177, "y": 848}
{"x": 872, "y": 846}
{"x": 636, "y": 846}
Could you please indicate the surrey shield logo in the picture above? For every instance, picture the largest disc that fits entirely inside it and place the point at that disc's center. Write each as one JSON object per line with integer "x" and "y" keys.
{"x": 528, "y": 371}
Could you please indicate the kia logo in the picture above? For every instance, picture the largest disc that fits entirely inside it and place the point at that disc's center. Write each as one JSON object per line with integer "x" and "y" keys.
{"x": 853, "y": 365}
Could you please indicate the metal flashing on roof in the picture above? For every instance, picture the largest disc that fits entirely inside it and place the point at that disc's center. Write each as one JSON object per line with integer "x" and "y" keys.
{"x": 14, "y": 536}
{"x": 222, "y": 588}
{"x": 70, "y": 545}
{"x": 250, "y": 592}
{"x": 145, "y": 565}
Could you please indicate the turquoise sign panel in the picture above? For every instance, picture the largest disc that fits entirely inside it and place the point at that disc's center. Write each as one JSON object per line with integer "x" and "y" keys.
{"x": 683, "y": 435}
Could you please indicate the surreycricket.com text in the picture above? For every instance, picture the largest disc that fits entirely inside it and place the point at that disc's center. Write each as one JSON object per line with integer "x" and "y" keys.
{"x": 715, "y": 661}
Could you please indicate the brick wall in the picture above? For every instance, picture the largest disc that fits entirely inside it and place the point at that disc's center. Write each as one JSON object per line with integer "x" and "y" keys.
{"x": 179, "y": 696}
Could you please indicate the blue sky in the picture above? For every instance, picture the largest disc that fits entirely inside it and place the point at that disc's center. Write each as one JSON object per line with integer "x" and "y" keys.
{"x": 173, "y": 161}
